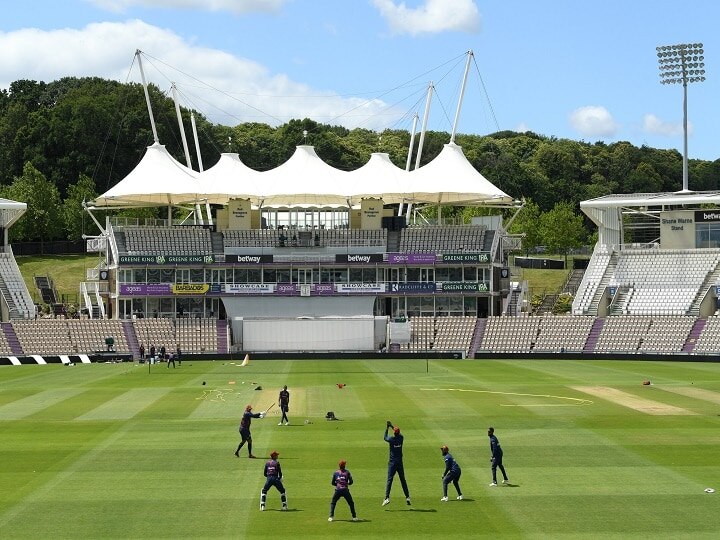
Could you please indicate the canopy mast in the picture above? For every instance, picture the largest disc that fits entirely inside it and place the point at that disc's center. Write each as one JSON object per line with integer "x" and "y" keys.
{"x": 200, "y": 167}
{"x": 462, "y": 94}
{"x": 138, "y": 53}
{"x": 431, "y": 87}
{"x": 410, "y": 151}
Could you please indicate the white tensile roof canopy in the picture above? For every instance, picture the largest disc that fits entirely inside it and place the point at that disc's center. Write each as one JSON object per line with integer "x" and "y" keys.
{"x": 158, "y": 180}
{"x": 304, "y": 180}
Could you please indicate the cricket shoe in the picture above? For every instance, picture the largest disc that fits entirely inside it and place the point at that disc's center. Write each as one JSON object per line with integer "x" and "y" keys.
{"x": 262, "y": 507}
{"x": 385, "y": 502}
{"x": 506, "y": 481}
{"x": 237, "y": 454}
{"x": 330, "y": 518}
{"x": 356, "y": 519}
{"x": 444, "y": 499}
{"x": 285, "y": 507}
{"x": 494, "y": 484}
{"x": 408, "y": 501}
{"x": 251, "y": 456}
{"x": 459, "y": 498}
{"x": 279, "y": 423}
{"x": 287, "y": 423}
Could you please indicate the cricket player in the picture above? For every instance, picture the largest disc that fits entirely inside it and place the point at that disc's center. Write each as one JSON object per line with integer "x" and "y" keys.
{"x": 452, "y": 474}
{"x": 284, "y": 404}
{"x": 273, "y": 475}
{"x": 395, "y": 462}
{"x": 496, "y": 455}
{"x": 342, "y": 480}
{"x": 245, "y": 436}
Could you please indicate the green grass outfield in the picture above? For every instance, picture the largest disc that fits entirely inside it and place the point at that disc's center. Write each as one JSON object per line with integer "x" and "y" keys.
{"x": 132, "y": 451}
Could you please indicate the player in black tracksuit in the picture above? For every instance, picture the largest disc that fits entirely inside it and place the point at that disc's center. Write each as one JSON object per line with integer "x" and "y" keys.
{"x": 245, "y": 436}
{"x": 284, "y": 404}
{"x": 342, "y": 480}
{"x": 452, "y": 474}
{"x": 273, "y": 474}
{"x": 395, "y": 463}
{"x": 496, "y": 455}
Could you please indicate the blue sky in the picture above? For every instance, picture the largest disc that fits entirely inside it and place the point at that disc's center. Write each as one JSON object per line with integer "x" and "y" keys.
{"x": 562, "y": 68}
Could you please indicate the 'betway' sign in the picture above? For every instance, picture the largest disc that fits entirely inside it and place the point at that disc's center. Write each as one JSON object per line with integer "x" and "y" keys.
{"x": 249, "y": 259}
{"x": 360, "y": 258}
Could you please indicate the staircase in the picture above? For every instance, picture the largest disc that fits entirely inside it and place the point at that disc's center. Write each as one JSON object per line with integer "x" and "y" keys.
{"x": 609, "y": 271}
{"x": 216, "y": 240}
{"x": 46, "y": 288}
{"x": 120, "y": 241}
{"x": 12, "y": 339}
{"x": 594, "y": 335}
{"x": 547, "y": 304}
{"x": 712, "y": 278}
{"x": 573, "y": 281}
{"x": 131, "y": 338}
{"x": 223, "y": 342}
{"x": 621, "y": 301}
{"x": 393, "y": 241}
{"x": 695, "y": 332}
{"x": 477, "y": 337}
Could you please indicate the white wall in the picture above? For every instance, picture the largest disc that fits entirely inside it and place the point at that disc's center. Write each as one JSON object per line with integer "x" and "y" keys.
{"x": 308, "y": 335}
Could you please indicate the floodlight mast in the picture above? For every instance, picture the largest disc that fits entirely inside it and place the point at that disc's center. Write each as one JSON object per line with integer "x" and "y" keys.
{"x": 682, "y": 63}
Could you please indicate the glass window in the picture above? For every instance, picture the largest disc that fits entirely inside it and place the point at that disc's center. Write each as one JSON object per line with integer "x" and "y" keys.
{"x": 139, "y": 275}
{"x": 356, "y": 275}
{"x": 197, "y": 275}
{"x": 455, "y": 274}
{"x": 413, "y": 274}
{"x": 269, "y": 275}
{"x": 240, "y": 275}
{"x": 153, "y": 275}
{"x": 254, "y": 275}
{"x": 470, "y": 273}
{"x": 167, "y": 275}
{"x": 283, "y": 276}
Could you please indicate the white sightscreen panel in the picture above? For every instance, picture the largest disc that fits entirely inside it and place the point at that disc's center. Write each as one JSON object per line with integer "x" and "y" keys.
{"x": 309, "y": 335}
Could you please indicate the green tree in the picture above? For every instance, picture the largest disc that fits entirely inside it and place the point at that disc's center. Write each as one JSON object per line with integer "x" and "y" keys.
{"x": 76, "y": 223}
{"x": 527, "y": 222}
{"x": 42, "y": 221}
{"x": 562, "y": 229}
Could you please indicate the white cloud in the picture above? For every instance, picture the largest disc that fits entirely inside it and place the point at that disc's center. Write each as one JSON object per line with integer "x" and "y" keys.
{"x": 653, "y": 125}
{"x": 225, "y": 88}
{"x": 233, "y": 6}
{"x": 522, "y": 127}
{"x": 593, "y": 121}
{"x": 432, "y": 17}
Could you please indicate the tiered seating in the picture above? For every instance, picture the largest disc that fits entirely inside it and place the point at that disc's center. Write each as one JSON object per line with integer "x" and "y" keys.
{"x": 5, "y": 349}
{"x": 623, "y": 334}
{"x": 14, "y": 289}
{"x": 155, "y": 332}
{"x": 44, "y": 336}
{"x": 88, "y": 335}
{"x": 196, "y": 335}
{"x": 253, "y": 238}
{"x": 558, "y": 332}
{"x": 454, "y": 333}
{"x": 69, "y": 336}
{"x": 589, "y": 284}
{"x": 192, "y": 335}
{"x": 709, "y": 340}
{"x": 167, "y": 240}
{"x": 667, "y": 334}
{"x": 443, "y": 239}
{"x": 422, "y": 334}
{"x": 510, "y": 334}
{"x": 352, "y": 237}
{"x": 663, "y": 282}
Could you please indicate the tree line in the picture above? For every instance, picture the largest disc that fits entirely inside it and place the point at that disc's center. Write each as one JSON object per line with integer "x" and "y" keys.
{"x": 69, "y": 140}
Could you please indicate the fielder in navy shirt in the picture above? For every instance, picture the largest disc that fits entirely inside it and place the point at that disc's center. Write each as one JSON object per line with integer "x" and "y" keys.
{"x": 273, "y": 475}
{"x": 342, "y": 480}
{"x": 395, "y": 462}
{"x": 496, "y": 458}
{"x": 452, "y": 474}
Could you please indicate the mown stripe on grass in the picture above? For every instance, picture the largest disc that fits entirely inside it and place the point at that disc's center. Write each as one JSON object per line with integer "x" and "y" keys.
{"x": 694, "y": 392}
{"x": 27, "y": 406}
{"x": 631, "y": 401}
{"x": 127, "y": 405}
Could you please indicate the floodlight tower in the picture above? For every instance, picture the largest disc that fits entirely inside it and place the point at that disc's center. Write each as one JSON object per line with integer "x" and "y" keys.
{"x": 683, "y": 63}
